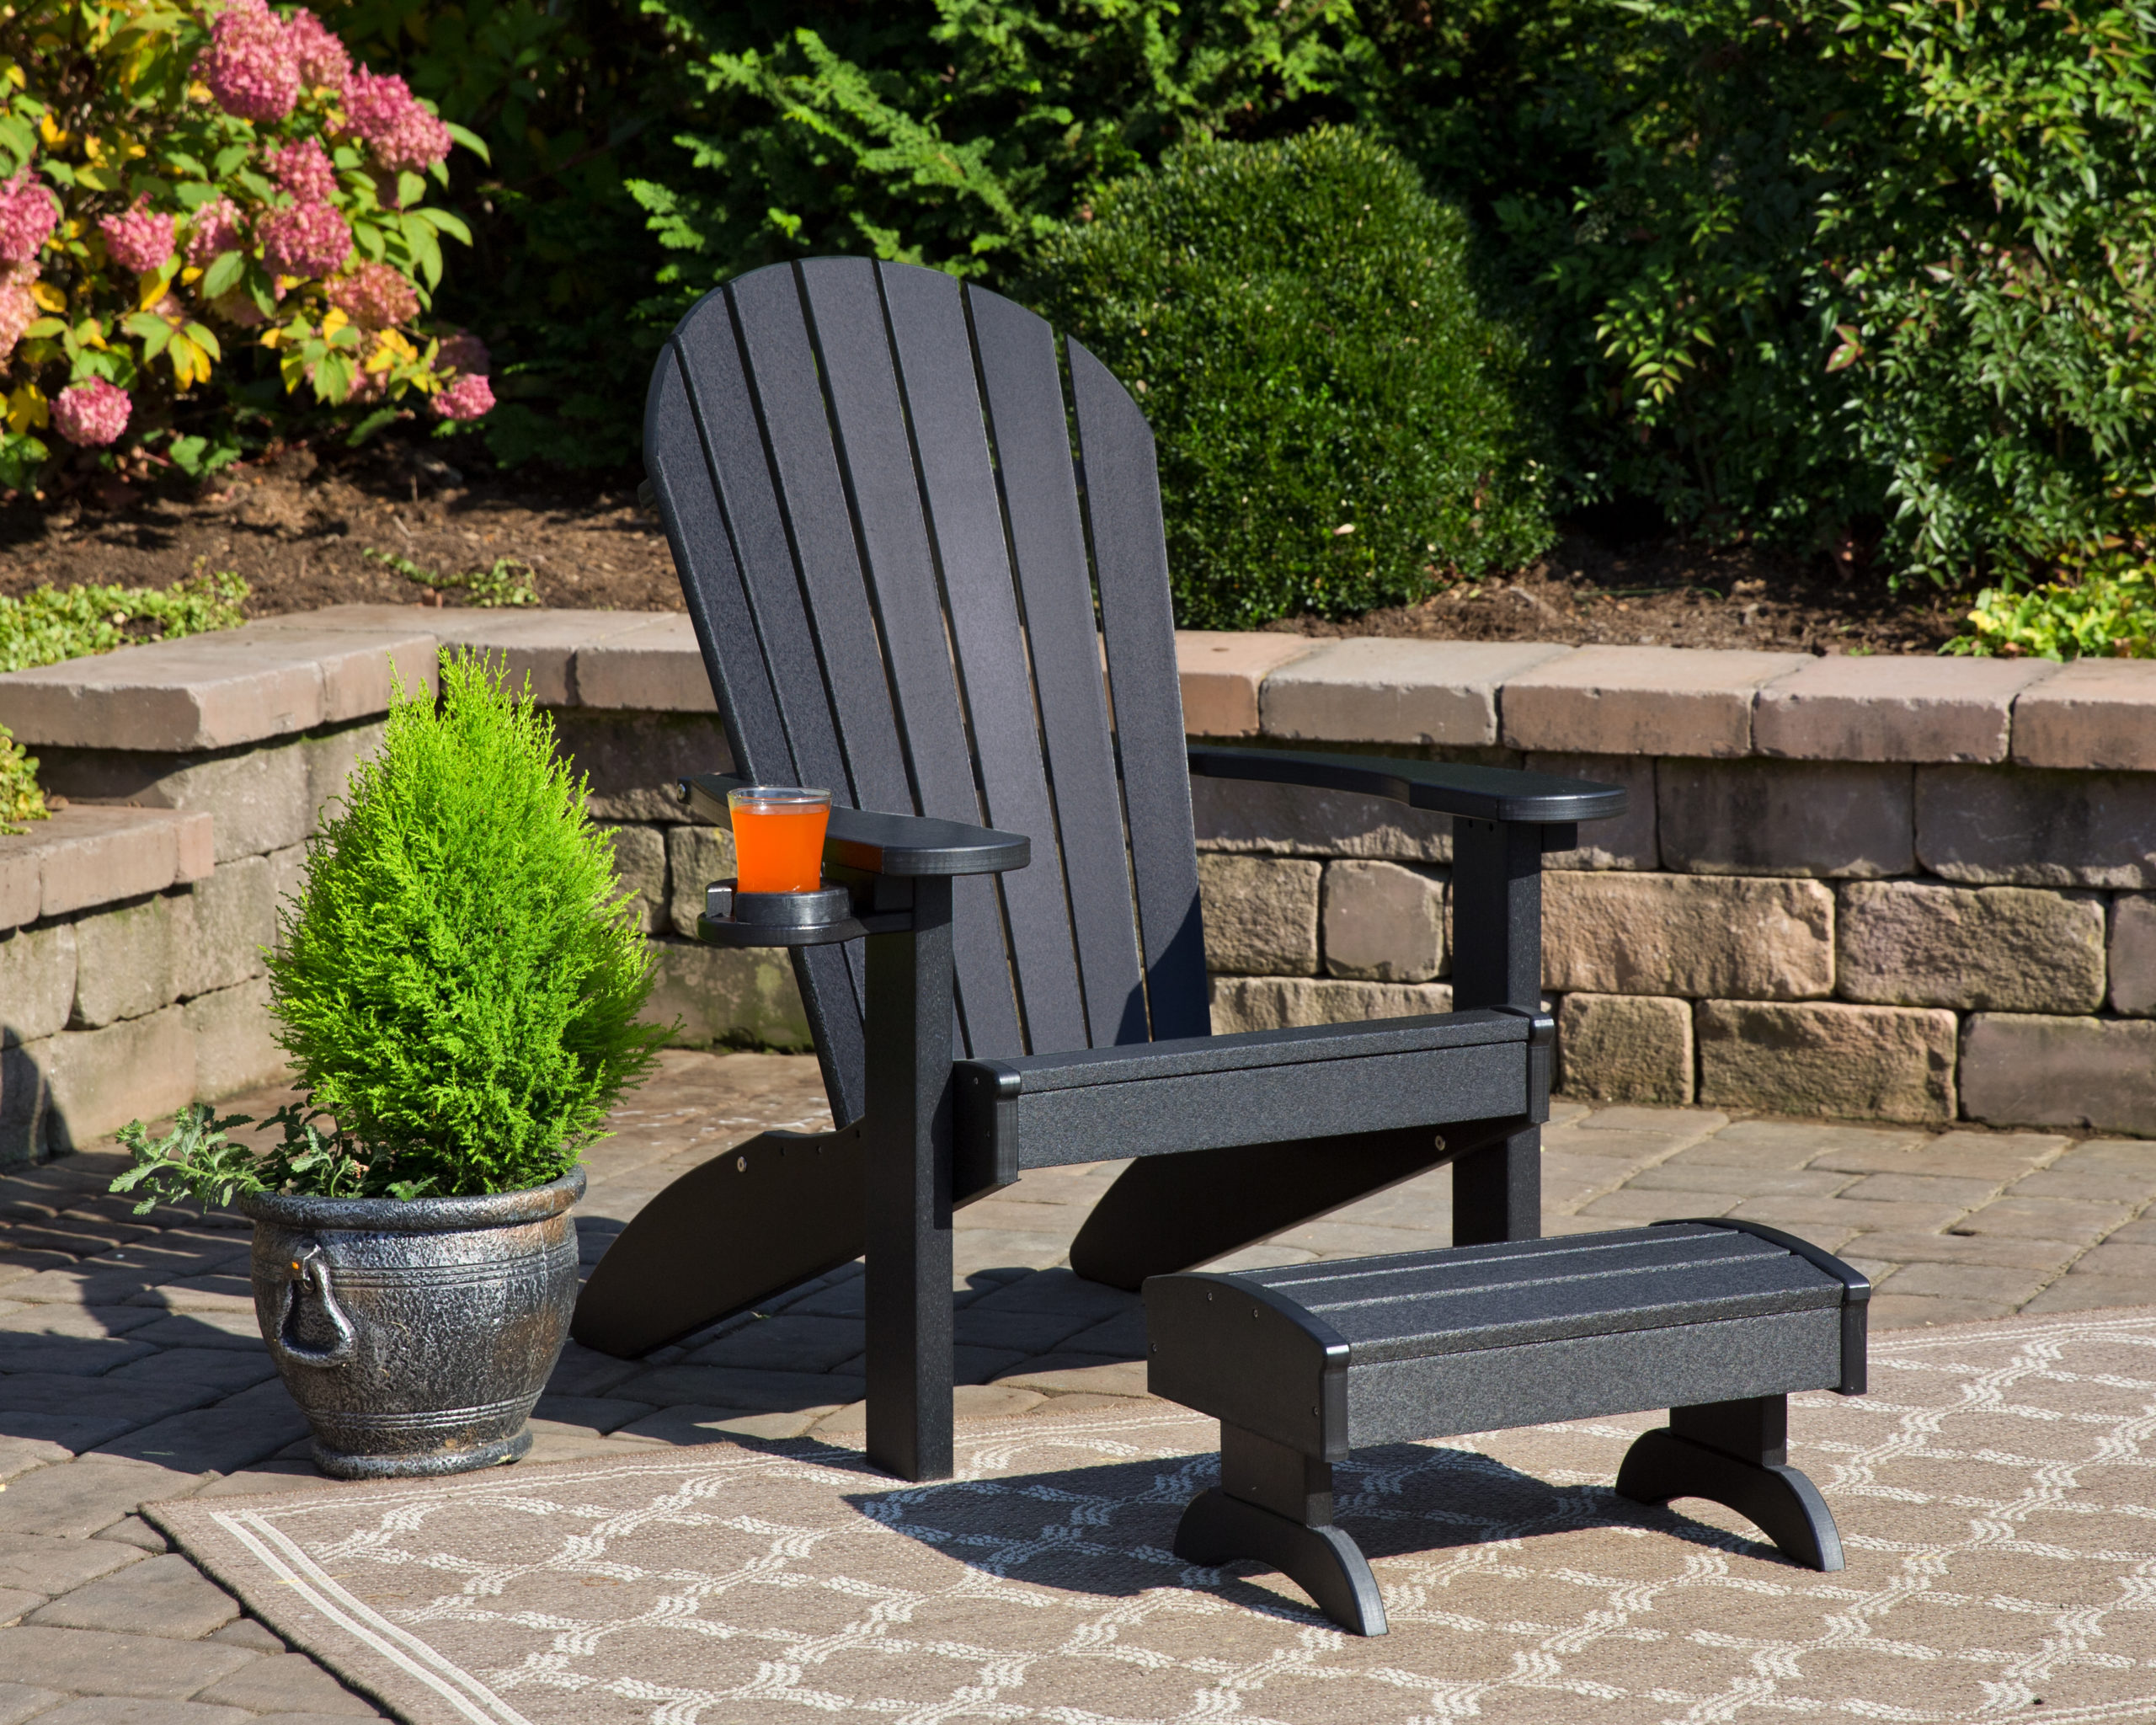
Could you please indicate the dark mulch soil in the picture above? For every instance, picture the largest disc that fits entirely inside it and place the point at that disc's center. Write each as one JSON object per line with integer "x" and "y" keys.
{"x": 296, "y": 526}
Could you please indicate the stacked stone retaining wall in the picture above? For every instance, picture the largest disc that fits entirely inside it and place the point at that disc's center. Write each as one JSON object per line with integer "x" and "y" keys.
{"x": 1894, "y": 888}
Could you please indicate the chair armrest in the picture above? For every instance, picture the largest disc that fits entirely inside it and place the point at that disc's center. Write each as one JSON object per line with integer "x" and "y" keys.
{"x": 1442, "y": 786}
{"x": 892, "y": 845}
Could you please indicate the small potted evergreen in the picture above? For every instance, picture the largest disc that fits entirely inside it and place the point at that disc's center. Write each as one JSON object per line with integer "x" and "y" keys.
{"x": 458, "y": 987}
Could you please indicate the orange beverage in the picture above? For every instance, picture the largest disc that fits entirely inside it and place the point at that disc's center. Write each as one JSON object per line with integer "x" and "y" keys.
{"x": 778, "y": 837}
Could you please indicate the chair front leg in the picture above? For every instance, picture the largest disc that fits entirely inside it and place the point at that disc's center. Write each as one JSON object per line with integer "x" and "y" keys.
{"x": 907, "y": 1189}
{"x": 1497, "y": 897}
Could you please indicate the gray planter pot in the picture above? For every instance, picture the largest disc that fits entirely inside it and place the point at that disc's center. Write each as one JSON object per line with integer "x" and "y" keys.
{"x": 415, "y": 1336}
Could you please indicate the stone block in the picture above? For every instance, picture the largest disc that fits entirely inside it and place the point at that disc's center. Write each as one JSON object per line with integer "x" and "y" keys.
{"x": 22, "y": 884}
{"x": 235, "y": 1039}
{"x": 1381, "y": 922}
{"x": 1377, "y": 689}
{"x": 1628, "y": 840}
{"x": 1641, "y": 700}
{"x": 1900, "y": 708}
{"x": 1221, "y": 672}
{"x": 1831, "y": 819}
{"x": 696, "y": 857}
{"x": 284, "y": 1683}
{"x": 128, "y": 962}
{"x": 640, "y": 870}
{"x": 331, "y": 758}
{"x": 2023, "y": 1069}
{"x": 2132, "y": 954}
{"x": 2095, "y": 713}
{"x": 632, "y": 758}
{"x": 742, "y": 998}
{"x": 1692, "y": 935}
{"x": 1237, "y": 815}
{"x": 2006, "y": 948}
{"x": 288, "y": 884}
{"x": 37, "y": 981}
{"x": 1280, "y": 1002}
{"x": 232, "y": 917}
{"x": 1624, "y": 1048}
{"x": 540, "y": 644}
{"x": 218, "y": 691}
{"x": 25, "y": 1099}
{"x": 86, "y": 855}
{"x": 655, "y": 665}
{"x": 258, "y": 798}
{"x": 100, "y": 1079}
{"x": 1260, "y": 914}
{"x": 2021, "y": 826}
{"x": 1890, "y": 1063}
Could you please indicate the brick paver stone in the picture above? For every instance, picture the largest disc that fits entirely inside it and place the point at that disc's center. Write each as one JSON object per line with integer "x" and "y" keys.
{"x": 19, "y": 1700}
{"x": 75, "y": 1499}
{"x": 99, "y": 1662}
{"x": 165, "y": 1596}
{"x": 104, "y": 1710}
{"x": 47, "y": 1566}
{"x": 285, "y": 1683}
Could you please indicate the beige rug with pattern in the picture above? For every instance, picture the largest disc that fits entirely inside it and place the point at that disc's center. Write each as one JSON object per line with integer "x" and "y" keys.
{"x": 1996, "y": 1494}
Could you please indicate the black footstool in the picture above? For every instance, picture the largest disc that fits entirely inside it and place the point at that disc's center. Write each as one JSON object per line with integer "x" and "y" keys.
{"x": 1716, "y": 1321}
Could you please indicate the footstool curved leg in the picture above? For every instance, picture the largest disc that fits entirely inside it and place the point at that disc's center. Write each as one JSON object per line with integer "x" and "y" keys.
{"x": 1776, "y": 1498}
{"x": 1322, "y": 1561}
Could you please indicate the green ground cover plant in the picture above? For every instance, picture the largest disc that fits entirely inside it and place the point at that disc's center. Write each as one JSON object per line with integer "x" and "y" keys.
{"x": 20, "y": 798}
{"x": 2102, "y": 606}
{"x": 1341, "y": 426}
{"x": 50, "y": 624}
{"x": 507, "y": 581}
{"x": 459, "y": 979}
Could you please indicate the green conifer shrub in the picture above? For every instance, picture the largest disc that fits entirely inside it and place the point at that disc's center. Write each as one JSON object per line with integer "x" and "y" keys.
{"x": 1340, "y": 426}
{"x": 460, "y": 977}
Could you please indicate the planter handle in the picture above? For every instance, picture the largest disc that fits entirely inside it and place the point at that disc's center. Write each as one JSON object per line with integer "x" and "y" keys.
{"x": 312, "y": 1267}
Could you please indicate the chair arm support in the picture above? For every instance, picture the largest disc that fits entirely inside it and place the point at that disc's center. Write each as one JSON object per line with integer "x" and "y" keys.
{"x": 895, "y": 845}
{"x": 1442, "y": 786}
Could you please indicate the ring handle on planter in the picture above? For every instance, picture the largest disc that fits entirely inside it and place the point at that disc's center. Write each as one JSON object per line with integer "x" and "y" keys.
{"x": 311, "y": 1267}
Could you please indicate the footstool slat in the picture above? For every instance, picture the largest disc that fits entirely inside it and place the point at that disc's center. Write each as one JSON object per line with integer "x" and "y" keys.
{"x": 1717, "y": 1321}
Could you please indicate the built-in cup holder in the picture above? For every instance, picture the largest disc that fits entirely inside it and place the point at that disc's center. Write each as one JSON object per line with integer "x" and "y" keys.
{"x": 733, "y": 917}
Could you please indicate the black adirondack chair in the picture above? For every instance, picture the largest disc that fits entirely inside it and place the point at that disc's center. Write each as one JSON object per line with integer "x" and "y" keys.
{"x": 902, "y": 574}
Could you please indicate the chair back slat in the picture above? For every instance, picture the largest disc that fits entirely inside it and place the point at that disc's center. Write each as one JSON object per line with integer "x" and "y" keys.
{"x": 1130, "y": 565}
{"x": 1032, "y": 428}
{"x": 891, "y": 554}
{"x": 862, "y": 383}
{"x": 935, "y": 369}
{"x": 681, "y": 446}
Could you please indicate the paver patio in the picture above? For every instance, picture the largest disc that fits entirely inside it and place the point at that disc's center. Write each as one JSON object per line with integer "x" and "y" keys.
{"x": 131, "y": 1368}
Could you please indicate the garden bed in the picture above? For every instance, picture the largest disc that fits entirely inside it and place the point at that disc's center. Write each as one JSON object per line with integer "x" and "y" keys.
{"x": 297, "y": 528}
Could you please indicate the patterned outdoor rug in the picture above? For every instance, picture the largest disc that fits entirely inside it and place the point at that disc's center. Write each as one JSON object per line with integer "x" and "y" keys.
{"x": 1996, "y": 1492}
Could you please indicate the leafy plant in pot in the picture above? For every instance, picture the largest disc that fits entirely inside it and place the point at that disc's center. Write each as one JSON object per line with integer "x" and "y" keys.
{"x": 458, "y": 985}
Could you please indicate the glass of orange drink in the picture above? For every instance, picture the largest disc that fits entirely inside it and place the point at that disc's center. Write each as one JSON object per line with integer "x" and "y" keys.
{"x": 778, "y": 837}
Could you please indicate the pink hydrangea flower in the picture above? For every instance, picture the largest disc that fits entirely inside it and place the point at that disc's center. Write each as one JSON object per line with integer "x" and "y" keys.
{"x": 464, "y": 352}
{"x": 141, "y": 240}
{"x": 402, "y": 135}
{"x": 374, "y": 296}
{"x": 467, "y": 398}
{"x": 315, "y": 49}
{"x": 304, "y": 239}
{"x": 215, "y": 231}
{"x": 91, "y": 414}
{"x": 250, "y": 65}
{"x": 29, "y": 212}
{"x": 304, "y": 170}
{"x": 17, "y": 310}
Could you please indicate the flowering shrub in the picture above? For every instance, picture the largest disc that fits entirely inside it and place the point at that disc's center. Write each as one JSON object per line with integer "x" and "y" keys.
{"x": 201, "y": 201}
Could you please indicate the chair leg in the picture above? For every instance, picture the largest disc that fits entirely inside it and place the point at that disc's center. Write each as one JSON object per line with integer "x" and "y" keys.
{"x": 1735, "y": 1454}
{"x": 1274, "y": 1506}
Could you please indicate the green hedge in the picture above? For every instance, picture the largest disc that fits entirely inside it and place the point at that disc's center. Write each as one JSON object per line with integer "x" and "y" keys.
{"x": 1339, "y": 426}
